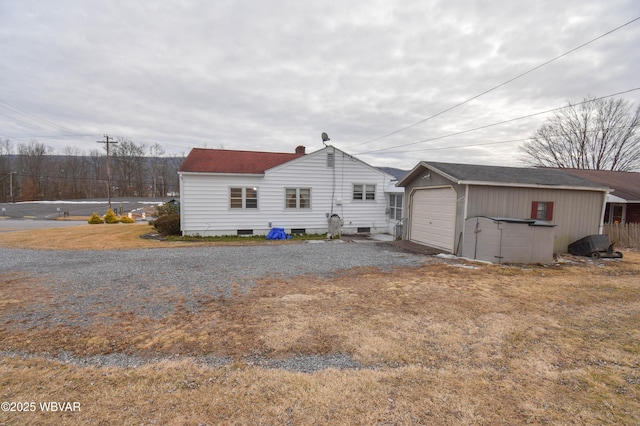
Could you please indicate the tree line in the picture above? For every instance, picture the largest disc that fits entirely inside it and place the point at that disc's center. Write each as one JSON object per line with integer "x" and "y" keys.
{"x": 31, "y": 171}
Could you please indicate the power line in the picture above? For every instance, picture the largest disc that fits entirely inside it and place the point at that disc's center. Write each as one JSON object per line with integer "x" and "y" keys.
{"x": 495, "y": 124}
{"x": 472, "y": 145}
{"x": 34, "y": 118}
{"x": 498, "y": 86}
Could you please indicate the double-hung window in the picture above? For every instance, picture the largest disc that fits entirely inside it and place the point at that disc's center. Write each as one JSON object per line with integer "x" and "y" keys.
{"x": 243, "y": 198}
{"x": 298, "y": 198}
{"x": 395, "y": 206}
{"x": 364, "y": 192}
{"x": 542, "y": 210}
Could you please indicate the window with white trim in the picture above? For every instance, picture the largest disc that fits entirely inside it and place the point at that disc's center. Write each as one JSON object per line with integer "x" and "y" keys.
{"x": 298, "y": 198}
{"x": 395, "y": 206}
{"x": 364, "y": 192}
{"x": 243, "y": 198}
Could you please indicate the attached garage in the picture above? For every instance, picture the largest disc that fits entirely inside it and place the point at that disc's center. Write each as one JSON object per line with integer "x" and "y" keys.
{"x": 433, "y": 217}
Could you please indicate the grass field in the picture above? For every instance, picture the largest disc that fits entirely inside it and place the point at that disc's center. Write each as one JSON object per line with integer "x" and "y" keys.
{"x": 439, "y": 344}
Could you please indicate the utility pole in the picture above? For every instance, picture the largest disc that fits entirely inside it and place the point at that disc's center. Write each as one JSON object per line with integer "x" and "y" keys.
{"x": 108, "y": 140}
{"x": 10, "y": 175}
{"x": 11, "y": 187}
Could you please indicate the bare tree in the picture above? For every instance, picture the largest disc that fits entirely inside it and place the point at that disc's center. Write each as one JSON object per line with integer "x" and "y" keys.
{"x": 599, "y": 134}
{"x": 157, "y": 166}
{"x": 128, "y": 166}
{"x": 97, "y": 174}
{"x": 72, "y": 170}
{"x": 33, "y": 166}
{"x": 6, "y": 170}
{"x": 38, "y": 174}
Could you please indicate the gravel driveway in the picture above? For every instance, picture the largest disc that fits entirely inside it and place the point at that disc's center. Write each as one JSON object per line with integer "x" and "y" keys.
{"x": 88, "y": 282}
{"x": 87, "y": 285}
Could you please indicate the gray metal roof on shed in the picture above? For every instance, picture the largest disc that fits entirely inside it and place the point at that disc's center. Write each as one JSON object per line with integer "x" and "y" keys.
{"x": 496, "y": 175}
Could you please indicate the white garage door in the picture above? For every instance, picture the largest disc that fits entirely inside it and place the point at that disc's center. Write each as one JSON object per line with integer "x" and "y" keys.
{"x": 433, "y": 214}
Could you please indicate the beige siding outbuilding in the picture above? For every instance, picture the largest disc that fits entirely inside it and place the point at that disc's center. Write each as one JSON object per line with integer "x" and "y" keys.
{"x": 573, "y": 206}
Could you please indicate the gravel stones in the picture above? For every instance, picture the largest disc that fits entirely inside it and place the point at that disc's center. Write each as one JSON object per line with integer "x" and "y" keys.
{"x": 153, "y": 282}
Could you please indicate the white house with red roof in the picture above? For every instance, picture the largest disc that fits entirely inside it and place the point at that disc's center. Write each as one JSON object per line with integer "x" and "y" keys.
{"x": 229, "y": 192}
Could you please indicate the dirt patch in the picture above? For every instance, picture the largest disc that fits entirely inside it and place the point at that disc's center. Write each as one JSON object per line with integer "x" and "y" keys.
{"x": 411, "y": 247}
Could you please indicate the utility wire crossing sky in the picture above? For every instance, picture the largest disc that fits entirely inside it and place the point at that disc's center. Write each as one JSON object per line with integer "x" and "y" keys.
{"x": 392, "y": 82}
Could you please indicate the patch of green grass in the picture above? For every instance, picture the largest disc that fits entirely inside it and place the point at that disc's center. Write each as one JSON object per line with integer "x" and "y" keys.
{"x": 238, "y": 238}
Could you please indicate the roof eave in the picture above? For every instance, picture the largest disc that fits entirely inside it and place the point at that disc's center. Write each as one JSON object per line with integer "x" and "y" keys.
{"x": 534, "y": 185}
{"x": 222, "y": 174}
{"x": 411, "y": 175}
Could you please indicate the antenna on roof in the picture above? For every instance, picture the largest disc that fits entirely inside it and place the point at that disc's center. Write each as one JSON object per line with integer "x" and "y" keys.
{"x": 325, "y": 138}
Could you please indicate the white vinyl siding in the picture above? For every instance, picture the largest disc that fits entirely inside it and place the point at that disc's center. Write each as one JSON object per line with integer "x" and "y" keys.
{"x": 205, "y": 198}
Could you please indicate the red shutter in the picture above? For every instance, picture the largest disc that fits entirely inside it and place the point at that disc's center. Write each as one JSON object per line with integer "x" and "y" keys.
{"x": 534, "y": 210}
{"x": 550, "y": 210}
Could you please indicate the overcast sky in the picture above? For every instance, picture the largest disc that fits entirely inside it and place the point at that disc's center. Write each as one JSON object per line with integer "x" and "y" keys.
{"x": 271, "y": 75}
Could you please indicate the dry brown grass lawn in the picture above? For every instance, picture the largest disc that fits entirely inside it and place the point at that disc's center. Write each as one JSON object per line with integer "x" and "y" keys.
{"x": 84, "y": 237}
{"x": 440, "y": 344}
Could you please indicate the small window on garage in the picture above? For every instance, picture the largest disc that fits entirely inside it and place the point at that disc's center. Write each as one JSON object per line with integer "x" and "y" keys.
{"x": 542, "y": 210}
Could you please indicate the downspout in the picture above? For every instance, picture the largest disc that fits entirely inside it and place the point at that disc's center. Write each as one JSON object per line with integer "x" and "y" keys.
{"x": 499, "y": 256}
{"x": 464, "y": 216}
{"x": 333, "y": 187}
{"x": 476, "y": 232}
{"x": 604, "y": 209}
{"x": 466, "y": 202}
{"x": 181, "y": 204}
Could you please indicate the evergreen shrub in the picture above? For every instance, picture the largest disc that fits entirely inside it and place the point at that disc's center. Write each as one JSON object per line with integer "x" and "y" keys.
{"x": 110, "y": 217}
{"x": 168, "y": 225}
{"x": 95, "y": 219}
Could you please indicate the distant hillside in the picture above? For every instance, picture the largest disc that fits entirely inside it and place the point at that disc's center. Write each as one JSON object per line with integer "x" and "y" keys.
{"x": 53, "y": 177}
{"x": 397, "y": 173}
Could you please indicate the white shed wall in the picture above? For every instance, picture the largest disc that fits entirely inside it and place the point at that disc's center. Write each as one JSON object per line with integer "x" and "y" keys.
{"x": 505, "y": 242}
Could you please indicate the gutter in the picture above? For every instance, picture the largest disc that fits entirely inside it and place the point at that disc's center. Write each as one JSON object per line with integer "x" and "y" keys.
{"x": 221, "y": 174}
{"x": 534, "y": 185}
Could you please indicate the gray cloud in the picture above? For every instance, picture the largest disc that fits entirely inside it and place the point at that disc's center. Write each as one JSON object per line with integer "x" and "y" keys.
{"x": 272, "y": 75}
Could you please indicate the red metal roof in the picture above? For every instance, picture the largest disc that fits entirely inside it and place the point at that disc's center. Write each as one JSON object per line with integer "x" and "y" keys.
{"x": 204, "y": 160}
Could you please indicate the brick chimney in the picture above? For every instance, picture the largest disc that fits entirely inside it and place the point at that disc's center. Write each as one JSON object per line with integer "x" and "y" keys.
{"x": 300, "y": 149}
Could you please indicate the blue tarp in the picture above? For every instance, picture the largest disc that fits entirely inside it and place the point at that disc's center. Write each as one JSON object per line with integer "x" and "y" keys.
{"x": 277, "y": 234}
